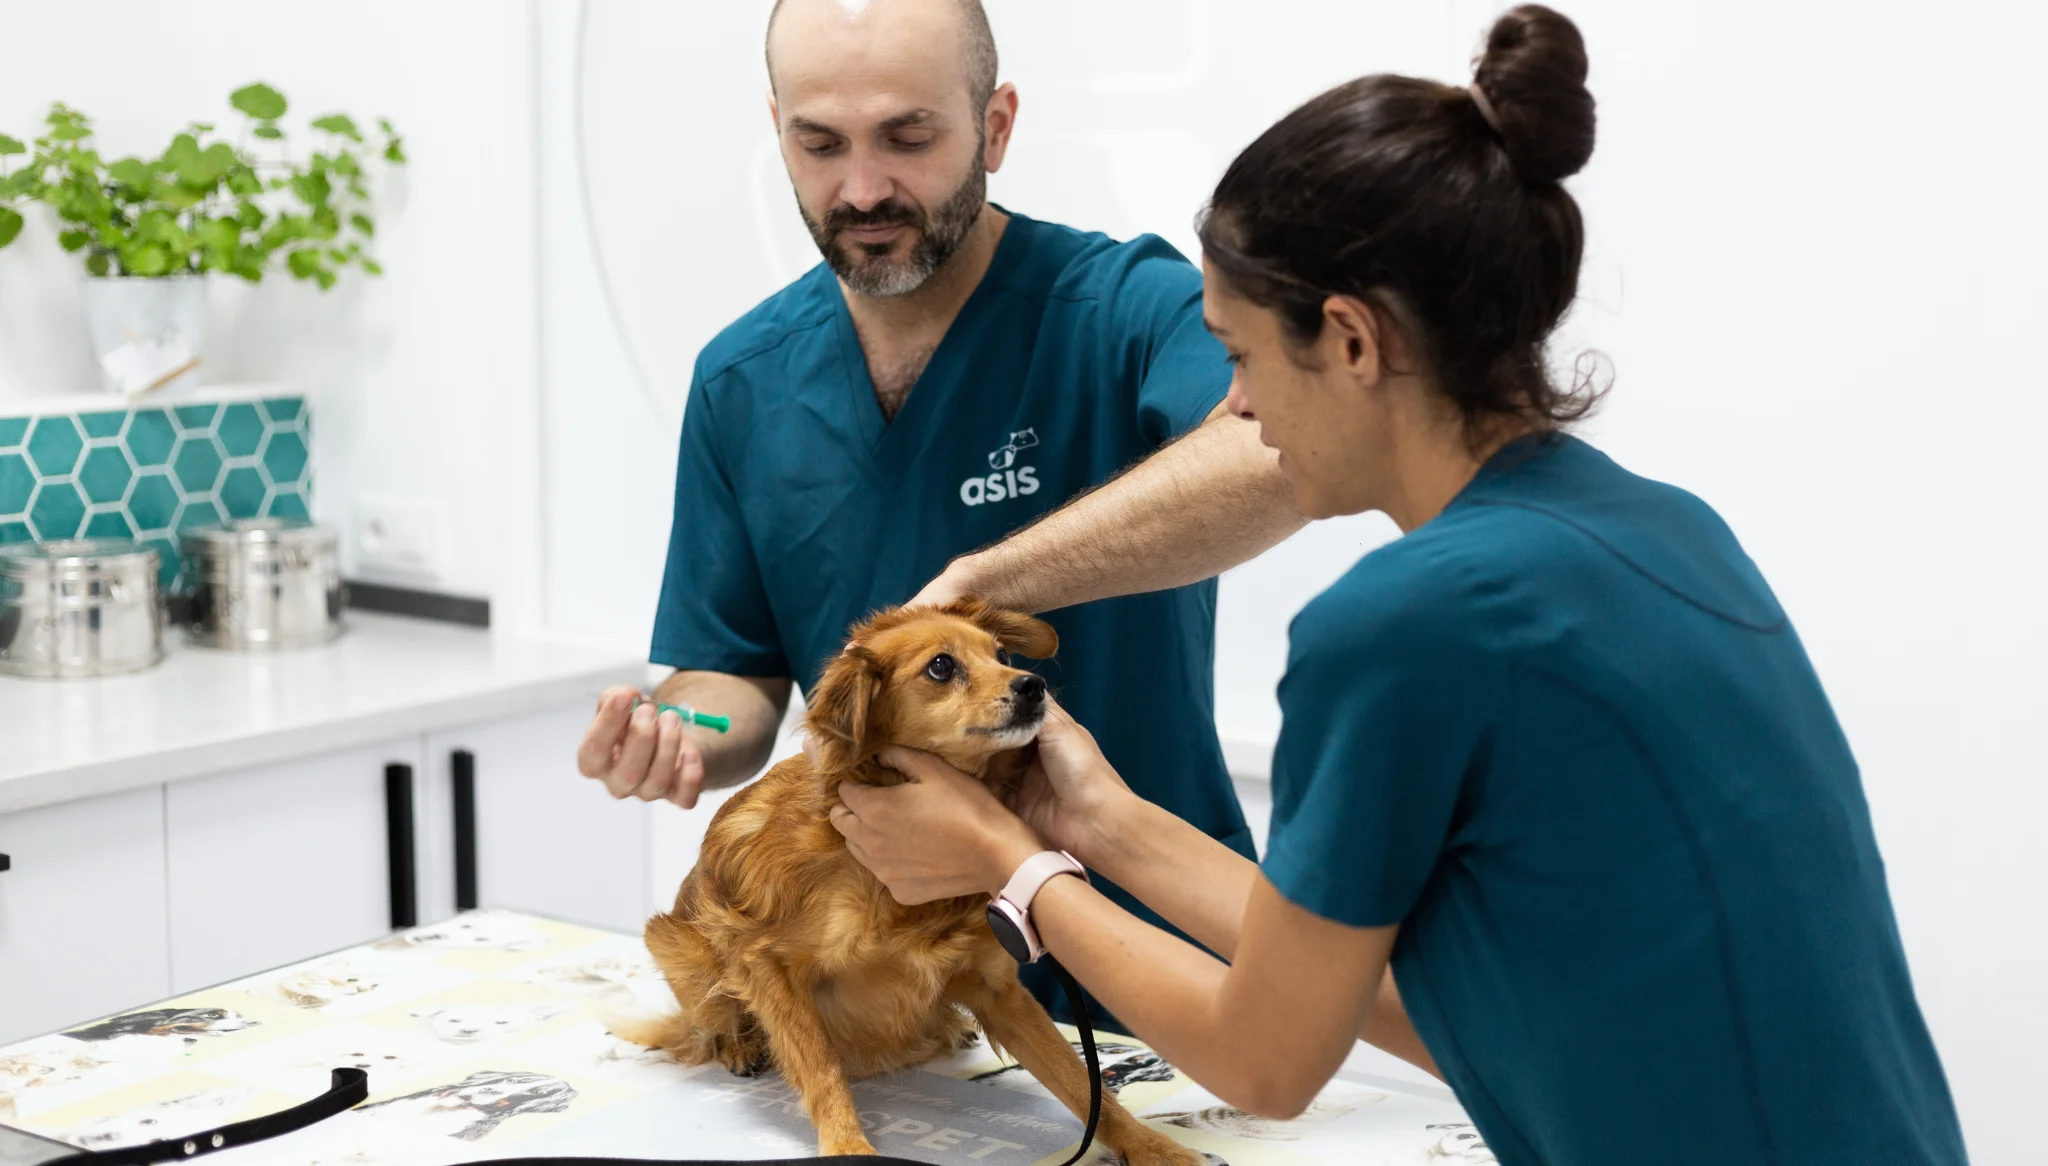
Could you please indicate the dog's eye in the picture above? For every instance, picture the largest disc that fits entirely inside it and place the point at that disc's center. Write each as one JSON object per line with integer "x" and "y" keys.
{"x": 1003, "y": 656}
{"x": 941, "y": 668}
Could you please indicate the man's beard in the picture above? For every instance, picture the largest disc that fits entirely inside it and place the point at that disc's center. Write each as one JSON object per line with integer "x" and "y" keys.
{"x": 872, "y": 270}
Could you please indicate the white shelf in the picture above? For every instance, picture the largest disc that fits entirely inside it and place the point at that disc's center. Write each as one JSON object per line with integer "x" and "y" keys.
{"x": 202, "y": 712}
{"x": 58, "y": 404}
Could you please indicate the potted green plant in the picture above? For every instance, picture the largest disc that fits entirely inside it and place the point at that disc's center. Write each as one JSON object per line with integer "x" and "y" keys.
{"x": 151, "y": 229}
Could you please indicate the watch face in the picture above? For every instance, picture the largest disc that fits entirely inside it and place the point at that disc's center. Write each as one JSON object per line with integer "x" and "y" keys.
{"x": 1009, "y": 935}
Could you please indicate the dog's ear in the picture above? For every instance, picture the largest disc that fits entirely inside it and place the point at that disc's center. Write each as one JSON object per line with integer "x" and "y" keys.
{"x": 1016, "y": 632}
{"x": 842, "y": 713}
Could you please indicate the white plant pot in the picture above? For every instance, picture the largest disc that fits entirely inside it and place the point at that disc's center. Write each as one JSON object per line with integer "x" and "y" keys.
{"x": 146, "y": 333}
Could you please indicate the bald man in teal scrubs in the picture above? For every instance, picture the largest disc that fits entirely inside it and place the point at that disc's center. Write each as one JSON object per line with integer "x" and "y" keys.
{"x": 951, "y": 373}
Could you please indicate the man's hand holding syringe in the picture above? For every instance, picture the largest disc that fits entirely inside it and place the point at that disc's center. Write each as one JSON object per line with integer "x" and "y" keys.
{"x": 663, "y": 748}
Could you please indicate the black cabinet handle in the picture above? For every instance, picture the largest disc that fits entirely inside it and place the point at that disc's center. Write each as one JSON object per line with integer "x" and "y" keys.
{"x": 6, "y": 863}
{"x": 462, "y": 774}
{"x": 405, "y": 899}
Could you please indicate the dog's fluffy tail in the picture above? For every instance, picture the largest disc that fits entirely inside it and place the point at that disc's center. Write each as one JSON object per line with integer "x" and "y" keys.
{"x": 670, "y": 1032}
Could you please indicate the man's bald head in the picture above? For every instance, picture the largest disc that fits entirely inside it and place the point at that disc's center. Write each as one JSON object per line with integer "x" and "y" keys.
{"x": 978, "y": 44}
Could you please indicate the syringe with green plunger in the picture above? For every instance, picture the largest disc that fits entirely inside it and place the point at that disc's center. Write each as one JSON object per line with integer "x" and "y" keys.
{"x": 689, "y": 715}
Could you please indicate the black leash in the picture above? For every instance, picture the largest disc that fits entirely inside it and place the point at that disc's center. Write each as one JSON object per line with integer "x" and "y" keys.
{"x": 351, "y": 1086}
{"x": 348, "y": 1089}
{"x": 1081, "y": 1022}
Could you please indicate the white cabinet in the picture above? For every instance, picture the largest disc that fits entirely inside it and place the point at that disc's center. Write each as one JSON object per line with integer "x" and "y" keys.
{"x": 274, "y": 864}
{"x": 548, "y": 840}
{"x": 82, "y": 927}
{"x": 118, "y": 901}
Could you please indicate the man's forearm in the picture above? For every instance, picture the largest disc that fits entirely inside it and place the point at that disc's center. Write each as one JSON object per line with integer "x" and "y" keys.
{"x": 755, "y": 705}
{"x": 1191, "y": 511}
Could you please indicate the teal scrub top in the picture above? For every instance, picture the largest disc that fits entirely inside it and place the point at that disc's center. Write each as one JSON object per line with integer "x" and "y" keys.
{"x": 1564, "y": 735}
{"x": 800, "y": 510}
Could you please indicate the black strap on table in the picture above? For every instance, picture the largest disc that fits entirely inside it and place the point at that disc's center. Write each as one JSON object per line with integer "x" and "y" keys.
{"x": 352, "y": 1086}
{"x": 348, "y": 1089}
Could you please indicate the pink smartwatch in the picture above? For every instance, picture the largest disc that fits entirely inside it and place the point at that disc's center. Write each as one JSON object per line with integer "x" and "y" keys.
{"x": 1009, "y": 913}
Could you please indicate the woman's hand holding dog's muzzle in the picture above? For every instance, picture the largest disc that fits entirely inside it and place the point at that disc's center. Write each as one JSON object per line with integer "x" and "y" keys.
{"x": 940, "y": 835}
{"x": 943, "y": 834}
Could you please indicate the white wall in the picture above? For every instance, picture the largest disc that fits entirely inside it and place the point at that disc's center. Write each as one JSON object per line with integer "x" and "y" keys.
{"x": 1826, "y": 220}
{"x": 406, "y": 372}
{"x": 1815, "y": 263}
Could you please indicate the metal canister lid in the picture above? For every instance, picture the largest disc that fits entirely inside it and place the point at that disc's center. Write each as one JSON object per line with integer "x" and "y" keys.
{"x": 47, "y": 561}
{"x": 255, "y": 534}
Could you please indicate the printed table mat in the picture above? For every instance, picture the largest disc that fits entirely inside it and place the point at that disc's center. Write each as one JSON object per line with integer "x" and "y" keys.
{"x": 485, "y": 1037}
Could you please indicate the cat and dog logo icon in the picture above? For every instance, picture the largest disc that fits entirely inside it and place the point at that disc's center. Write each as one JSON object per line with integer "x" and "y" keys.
{"x": 1009, "y": 480}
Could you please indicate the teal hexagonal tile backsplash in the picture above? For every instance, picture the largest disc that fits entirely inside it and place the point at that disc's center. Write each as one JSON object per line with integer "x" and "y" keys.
{"x": 149, "y": 472}
{"x": 54, "y": 445}
{"x": 17, "y": 483}
{"x": 197, "y": 463}
{"x": 105, "y": 475}
{"x": 57, "y": 511}
{"x": 150, "y": 437}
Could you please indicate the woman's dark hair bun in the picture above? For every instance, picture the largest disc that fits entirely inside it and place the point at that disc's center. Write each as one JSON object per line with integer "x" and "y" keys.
{"x": 1533, "y": 73}
{"x": 1440, "y": 206}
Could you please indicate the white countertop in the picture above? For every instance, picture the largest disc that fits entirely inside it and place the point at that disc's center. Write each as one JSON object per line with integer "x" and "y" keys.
{"x": 202, "y": 712}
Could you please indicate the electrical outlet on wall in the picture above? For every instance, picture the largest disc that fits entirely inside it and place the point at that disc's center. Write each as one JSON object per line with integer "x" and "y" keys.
{"x": 394, "y": 537}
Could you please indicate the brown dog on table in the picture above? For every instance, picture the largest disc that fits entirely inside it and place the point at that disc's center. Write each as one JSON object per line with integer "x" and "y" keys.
{"x": 784, "y": 951}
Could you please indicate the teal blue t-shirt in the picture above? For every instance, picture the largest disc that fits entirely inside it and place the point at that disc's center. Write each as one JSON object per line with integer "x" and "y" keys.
{"x": 1564, "y": 735}
{"x": 800, "y": 510}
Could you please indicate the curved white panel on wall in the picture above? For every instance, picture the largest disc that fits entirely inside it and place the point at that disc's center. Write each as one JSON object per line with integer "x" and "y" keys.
{"x": 690, "y": 215}
{"x": 1128, "y": 113}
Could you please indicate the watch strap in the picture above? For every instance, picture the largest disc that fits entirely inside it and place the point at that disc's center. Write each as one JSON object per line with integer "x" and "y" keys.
{"x": 1036, "y": 871}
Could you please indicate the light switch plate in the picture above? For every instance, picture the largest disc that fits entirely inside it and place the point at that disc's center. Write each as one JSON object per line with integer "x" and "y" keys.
{"x": 399, "y": 537}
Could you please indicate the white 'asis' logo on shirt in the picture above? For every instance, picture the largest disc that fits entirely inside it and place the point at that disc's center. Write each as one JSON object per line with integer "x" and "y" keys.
{"x": 1010, "y": 480}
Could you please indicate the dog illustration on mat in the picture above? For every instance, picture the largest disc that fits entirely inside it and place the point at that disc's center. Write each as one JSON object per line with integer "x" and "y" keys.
{"x": 42, "y": 1068}
{"x": 783, "y": 950}
{"x": 165, "y": 1119}
{"x": 470, "y": 1109}
{"x": 1122, "y": 1065}
{"x": 1459, "y": 1142}
{"x": 475, "y": 931}
{"x": 187, "y": 1024}
{"x": 323, "y": 984}
{"x": 472, "y": 1023}
{"x": 1236, "y": 1123}
{"x": 612, "y": 974}
{"x": 158, "y": 1033}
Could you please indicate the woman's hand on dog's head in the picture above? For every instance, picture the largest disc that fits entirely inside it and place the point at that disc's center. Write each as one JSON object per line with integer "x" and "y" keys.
{"x": 940, "y": 835}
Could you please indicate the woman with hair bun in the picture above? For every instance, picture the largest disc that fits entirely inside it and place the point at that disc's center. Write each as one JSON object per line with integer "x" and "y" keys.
{"x": 1555, "y": 756}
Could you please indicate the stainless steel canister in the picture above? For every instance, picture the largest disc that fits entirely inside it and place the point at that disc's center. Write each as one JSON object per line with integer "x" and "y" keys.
{"x": 260, "y": 583}
{"x": 79, "y": 607}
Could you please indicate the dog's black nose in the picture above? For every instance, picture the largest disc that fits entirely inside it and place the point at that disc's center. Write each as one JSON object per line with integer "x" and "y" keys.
{"x": 1028, "y": 688}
